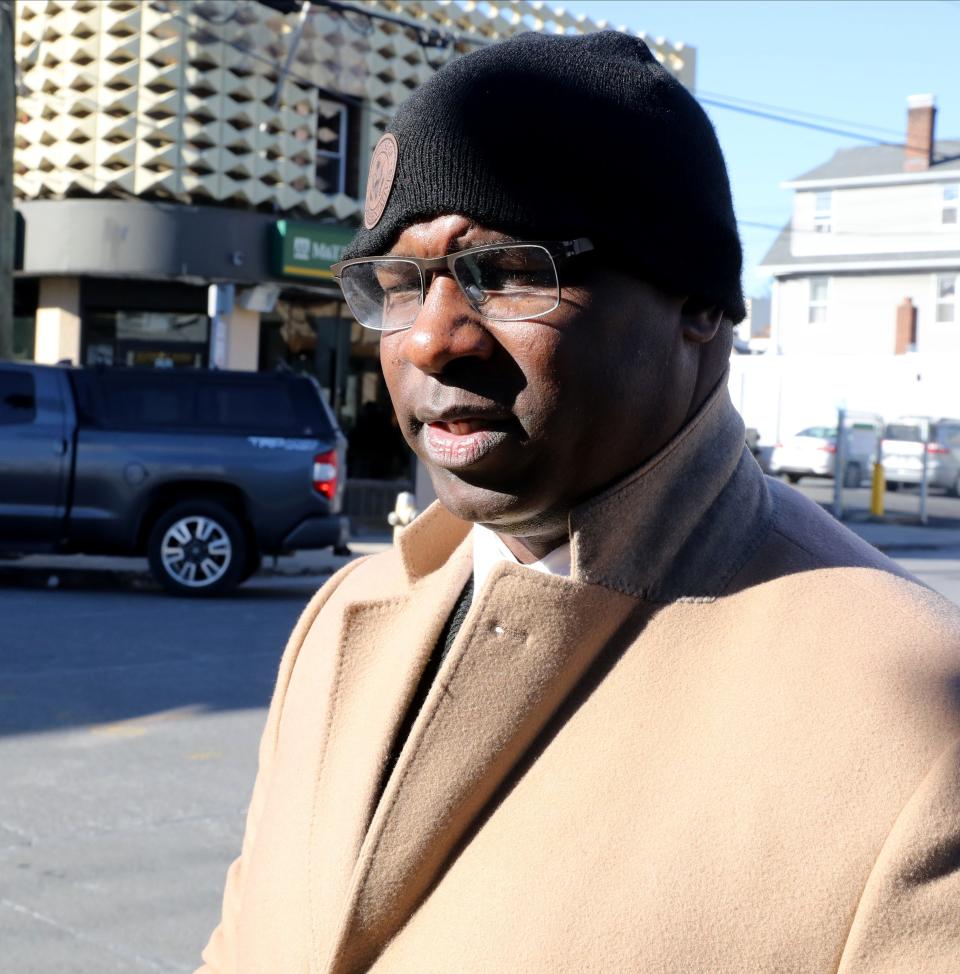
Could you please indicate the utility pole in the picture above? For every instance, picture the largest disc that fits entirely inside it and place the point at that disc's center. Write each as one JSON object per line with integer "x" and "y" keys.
{"x": 8, "y": 110}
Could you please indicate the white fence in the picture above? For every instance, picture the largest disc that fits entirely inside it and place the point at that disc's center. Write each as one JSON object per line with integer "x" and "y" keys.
{"x": 780, "y": 395}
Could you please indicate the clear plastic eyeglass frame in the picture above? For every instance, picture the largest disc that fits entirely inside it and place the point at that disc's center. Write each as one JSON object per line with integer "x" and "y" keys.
{"x": 555, "y": 251}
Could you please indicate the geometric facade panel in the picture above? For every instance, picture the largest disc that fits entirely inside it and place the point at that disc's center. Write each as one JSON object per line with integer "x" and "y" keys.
{"x": 183, "y": 100}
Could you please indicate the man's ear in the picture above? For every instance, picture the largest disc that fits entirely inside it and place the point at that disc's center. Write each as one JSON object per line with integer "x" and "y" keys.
{"x": 700, "y": 323}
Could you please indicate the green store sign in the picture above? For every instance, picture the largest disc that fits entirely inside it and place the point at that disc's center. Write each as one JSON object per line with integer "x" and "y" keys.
{"x": 308, "y": 249}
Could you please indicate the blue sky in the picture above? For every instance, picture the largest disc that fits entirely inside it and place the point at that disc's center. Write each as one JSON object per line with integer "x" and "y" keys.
{"x": 856, "y": 60}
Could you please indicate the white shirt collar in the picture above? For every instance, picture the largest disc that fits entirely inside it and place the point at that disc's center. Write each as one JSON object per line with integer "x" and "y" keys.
{"x": 489, "y": 550}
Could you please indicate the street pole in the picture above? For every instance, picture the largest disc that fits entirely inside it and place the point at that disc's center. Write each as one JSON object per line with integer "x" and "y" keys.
{"x": 840, "y": 463}
{"x": 923, "y": 476}
{"x": 220, "y": 299}
{"x": 8, "y": 118}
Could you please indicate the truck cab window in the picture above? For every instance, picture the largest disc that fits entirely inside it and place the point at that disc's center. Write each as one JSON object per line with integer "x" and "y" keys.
{"x": 18, "y": 402}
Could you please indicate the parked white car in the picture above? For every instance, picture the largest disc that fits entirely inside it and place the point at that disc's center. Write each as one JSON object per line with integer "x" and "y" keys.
{"x": 813, "y": 453}
{"x": 904, "y": 442}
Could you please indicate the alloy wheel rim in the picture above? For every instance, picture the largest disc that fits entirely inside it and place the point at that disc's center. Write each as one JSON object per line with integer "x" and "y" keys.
{"x": 196, "y": 551}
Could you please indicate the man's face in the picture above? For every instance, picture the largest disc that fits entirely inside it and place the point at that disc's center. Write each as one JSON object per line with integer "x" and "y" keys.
{"x": 517, "y": 422}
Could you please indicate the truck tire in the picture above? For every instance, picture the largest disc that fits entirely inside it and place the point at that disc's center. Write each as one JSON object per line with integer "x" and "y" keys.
{"x": 197, "y": 548}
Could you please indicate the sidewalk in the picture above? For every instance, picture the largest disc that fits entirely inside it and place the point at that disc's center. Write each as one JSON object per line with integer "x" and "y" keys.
{"x": 889, "y": 536}
{"x": 104, "y": 571}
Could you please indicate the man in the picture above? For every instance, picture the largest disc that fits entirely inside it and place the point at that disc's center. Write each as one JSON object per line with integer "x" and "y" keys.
{"x": 617, "y": 702}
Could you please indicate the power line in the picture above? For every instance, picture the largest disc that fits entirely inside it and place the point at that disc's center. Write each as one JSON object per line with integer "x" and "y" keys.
{"x": 788, "y": 228}
{"x": 774, "y": 113}
{"x": 761, "y": 110}
{"x": 748, "y": 103}
{"x": 815, "y": 126}
{"x": 263, "y": 59}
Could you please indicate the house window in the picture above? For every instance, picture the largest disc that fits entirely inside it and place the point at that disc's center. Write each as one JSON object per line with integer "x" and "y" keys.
{"x": 822, "y": 206}
{"x": 818, "y": 300}
{"x": 946, "y": 297}
{"x": 951, "y": 192}
{"x": 337, "y": 148}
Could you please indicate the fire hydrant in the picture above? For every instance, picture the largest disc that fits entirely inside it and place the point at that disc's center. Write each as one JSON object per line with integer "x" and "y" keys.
{"x": 404, "y": 511}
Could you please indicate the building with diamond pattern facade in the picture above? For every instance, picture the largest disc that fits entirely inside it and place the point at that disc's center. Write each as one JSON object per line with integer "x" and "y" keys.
{"x": 187, "y": 171}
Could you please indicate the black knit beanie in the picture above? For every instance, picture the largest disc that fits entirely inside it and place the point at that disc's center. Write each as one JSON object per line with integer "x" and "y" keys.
{"x": 552, "y": 138}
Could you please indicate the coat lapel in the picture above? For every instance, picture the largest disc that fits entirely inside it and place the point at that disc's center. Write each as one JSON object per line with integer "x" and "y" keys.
{"x": 525, "y": 643}
{"x": 660, "y": 534}
{"x": 384, "y": 647}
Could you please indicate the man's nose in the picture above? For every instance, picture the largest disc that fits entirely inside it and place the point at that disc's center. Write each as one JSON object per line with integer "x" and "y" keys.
{"x": 445, "y": 329}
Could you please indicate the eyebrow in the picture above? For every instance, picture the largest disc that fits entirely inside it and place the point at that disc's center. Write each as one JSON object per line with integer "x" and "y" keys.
{"x": 460, "y": 242}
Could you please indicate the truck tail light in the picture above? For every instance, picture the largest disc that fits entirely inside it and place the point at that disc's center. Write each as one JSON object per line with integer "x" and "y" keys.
{"x": 936, "y": 448}
{"x": 828, "y": 448}
{"x": 325, "y": 473}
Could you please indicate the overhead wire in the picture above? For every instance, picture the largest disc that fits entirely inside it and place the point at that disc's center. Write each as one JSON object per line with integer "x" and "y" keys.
{"x": 814, "y": 116}
{"x": 350, "y": 13}
{"x": 838, "y": 233}
{"x": 775, "y": 113}
{"x": 815, "y": 126}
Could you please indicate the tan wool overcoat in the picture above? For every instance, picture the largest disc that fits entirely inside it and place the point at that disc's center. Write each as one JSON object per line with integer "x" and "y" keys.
{"x": 726, "y": 744}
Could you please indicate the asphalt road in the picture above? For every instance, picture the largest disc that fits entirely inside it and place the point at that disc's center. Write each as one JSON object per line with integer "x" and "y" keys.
{"x": 900, "y": 506}
{"x": 128, "y": 734}
{"x": 129, "y": 723}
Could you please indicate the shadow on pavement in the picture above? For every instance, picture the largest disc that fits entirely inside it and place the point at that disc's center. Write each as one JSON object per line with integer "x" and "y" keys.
{"x": 88, "y": 641}
{"x": 86, "y": 648}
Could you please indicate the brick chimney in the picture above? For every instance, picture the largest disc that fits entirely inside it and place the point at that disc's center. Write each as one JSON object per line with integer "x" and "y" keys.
{"x": 921, "y": 112}
{"x": 905, "y": 336}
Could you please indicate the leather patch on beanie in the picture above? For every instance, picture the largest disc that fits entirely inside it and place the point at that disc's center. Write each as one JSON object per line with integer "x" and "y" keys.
{"x": 383, "y": 167}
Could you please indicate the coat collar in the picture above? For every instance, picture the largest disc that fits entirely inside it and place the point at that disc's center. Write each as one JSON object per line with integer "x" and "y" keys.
{"x": 679, "y": 527}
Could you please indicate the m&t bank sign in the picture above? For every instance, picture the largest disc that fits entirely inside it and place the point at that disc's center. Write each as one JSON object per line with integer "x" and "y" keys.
{"x": 307, "y": 250}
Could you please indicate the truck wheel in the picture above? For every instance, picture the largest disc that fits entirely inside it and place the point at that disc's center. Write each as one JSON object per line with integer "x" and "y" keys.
{"x": 852, "y": 475}
{"x": 197, "y": 548}
{"x": 794, "y": 478}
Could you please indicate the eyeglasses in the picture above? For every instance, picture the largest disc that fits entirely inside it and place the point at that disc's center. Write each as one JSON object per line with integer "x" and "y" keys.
{"x": 503, "y": 282}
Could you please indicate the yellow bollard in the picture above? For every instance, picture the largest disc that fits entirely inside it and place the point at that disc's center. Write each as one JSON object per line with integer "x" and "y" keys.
{"x": 877, "y": 488}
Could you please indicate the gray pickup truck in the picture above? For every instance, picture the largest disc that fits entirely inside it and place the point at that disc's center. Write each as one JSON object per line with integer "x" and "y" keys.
{"x": 201, "y": 471}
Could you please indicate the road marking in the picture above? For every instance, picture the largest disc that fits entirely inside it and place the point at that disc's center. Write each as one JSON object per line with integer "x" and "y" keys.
{"x": 121, "y": 729}
{"x": 135, "y": 726}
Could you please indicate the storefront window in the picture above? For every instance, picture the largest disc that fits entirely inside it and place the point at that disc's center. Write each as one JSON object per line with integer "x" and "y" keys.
{"x": 162, "y": 339}
{"x": 24, "y": 334}
{"x": 25, "y": 295}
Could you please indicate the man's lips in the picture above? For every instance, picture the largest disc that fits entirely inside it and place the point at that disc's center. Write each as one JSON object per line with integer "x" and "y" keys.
{"x": 461, "y": 427}
{"x": 454, "y": 439}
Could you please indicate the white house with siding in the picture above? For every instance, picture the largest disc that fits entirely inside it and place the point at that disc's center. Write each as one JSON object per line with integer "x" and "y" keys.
{"x": 864, "y": 311}
{"x": 869, "y": 262}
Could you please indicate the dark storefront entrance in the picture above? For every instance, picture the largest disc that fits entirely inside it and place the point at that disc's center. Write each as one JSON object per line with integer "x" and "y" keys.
{"x": 144, "y": 323}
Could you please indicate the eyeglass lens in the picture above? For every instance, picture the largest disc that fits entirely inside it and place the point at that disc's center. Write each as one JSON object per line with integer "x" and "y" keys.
{"x": 509, "y": 283}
